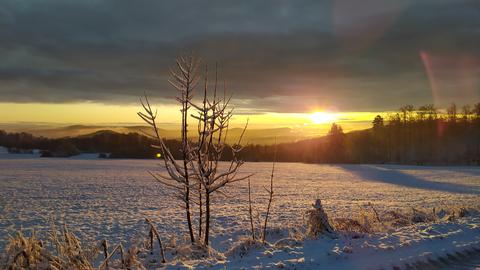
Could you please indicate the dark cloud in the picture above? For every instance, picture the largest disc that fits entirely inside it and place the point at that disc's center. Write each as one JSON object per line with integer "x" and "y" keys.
{"x": 277, "y": 55}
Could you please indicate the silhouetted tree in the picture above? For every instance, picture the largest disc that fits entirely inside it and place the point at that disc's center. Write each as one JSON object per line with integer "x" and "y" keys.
{"x": 452, "y": 113}
{"x": 379, "y": 140}
{"x": 335, "y": 144}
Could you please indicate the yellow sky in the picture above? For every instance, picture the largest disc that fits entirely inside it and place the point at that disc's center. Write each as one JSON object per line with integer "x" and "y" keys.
{"x": 76, "y": 113}
{"x": 97, "y": 114}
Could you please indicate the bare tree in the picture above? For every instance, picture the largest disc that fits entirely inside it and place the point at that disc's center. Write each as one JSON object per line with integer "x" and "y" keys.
{"x": 199, "y": 170}
{"x": 407, "y": 113}
{"x": 213, "y": 117}
{"x": 466, "y": 113}
{"x": 476, "y": 110}
{"x": 452, "y": 113}
{"x": 431, "y": 111}
{"x": 184, "y": 78}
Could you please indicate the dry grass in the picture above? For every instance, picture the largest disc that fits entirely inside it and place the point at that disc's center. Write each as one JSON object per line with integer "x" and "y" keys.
{"x": 62, "y": 250}
{"x": 242, "y": 247}
{"x": 368, "y": 220}
{"x": 23, "y": 252}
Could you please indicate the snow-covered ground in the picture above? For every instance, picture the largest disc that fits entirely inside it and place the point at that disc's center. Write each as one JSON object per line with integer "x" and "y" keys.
{"x": 437, "y": 245}
{"x": 110, "y": 199}
{"x": 4, "y": 154}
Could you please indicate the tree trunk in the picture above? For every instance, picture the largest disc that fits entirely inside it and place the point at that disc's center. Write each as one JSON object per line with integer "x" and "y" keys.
{"x": 189, "y": 218}
{"x": 250, "y": 209}
{"x": 207, "y": 217}
{"x": 200, "y": 211}
{"x": 185, "y": 165}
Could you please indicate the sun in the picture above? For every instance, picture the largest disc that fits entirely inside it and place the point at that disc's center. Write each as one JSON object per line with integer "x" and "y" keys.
{"x": 322, "y": 117}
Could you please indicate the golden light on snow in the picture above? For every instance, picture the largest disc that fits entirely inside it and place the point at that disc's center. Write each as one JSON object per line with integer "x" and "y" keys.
{"x": 322, "y": 117}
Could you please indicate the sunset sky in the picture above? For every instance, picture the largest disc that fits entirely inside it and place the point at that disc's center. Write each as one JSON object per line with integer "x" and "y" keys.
{"x": 87, "y": 62}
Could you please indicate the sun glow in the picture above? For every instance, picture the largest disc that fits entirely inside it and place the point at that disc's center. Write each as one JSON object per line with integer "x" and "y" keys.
{"x": 322, "y": 117}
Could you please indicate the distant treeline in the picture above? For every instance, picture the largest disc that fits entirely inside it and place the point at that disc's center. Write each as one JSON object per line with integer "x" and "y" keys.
{"x": 411, "y": 136}
{"x": 108, "y": 143}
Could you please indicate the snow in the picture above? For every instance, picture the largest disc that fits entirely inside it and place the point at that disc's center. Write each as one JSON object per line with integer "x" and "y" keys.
{"x": 405, "y": 245}
{"x": 4, "y": 154}
{"x": 85, "y": 156}
{"x": 104, "y": 198}
{"x": 440, "y": 245}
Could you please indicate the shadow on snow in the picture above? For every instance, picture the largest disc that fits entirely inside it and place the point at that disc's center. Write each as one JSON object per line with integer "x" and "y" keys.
{"x": 393, "y": 176}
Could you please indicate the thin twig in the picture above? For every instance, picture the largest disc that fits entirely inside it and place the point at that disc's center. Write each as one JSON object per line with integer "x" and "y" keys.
{"x": 270, "y": 193}
{"x": 154, "y": 230}
{"x": 250, "y": 209}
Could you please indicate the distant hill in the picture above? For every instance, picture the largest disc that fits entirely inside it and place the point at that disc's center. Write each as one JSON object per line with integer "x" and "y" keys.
{"x": 253, "y": 136}
{"x": 400, "y": 141}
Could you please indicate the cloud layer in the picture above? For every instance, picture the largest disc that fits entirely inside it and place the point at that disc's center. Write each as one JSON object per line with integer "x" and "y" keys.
{"x": 277, "y": 55}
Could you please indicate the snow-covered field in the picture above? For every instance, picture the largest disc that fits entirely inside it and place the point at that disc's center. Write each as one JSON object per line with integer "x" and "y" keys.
{"x": 110, "y": 199}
